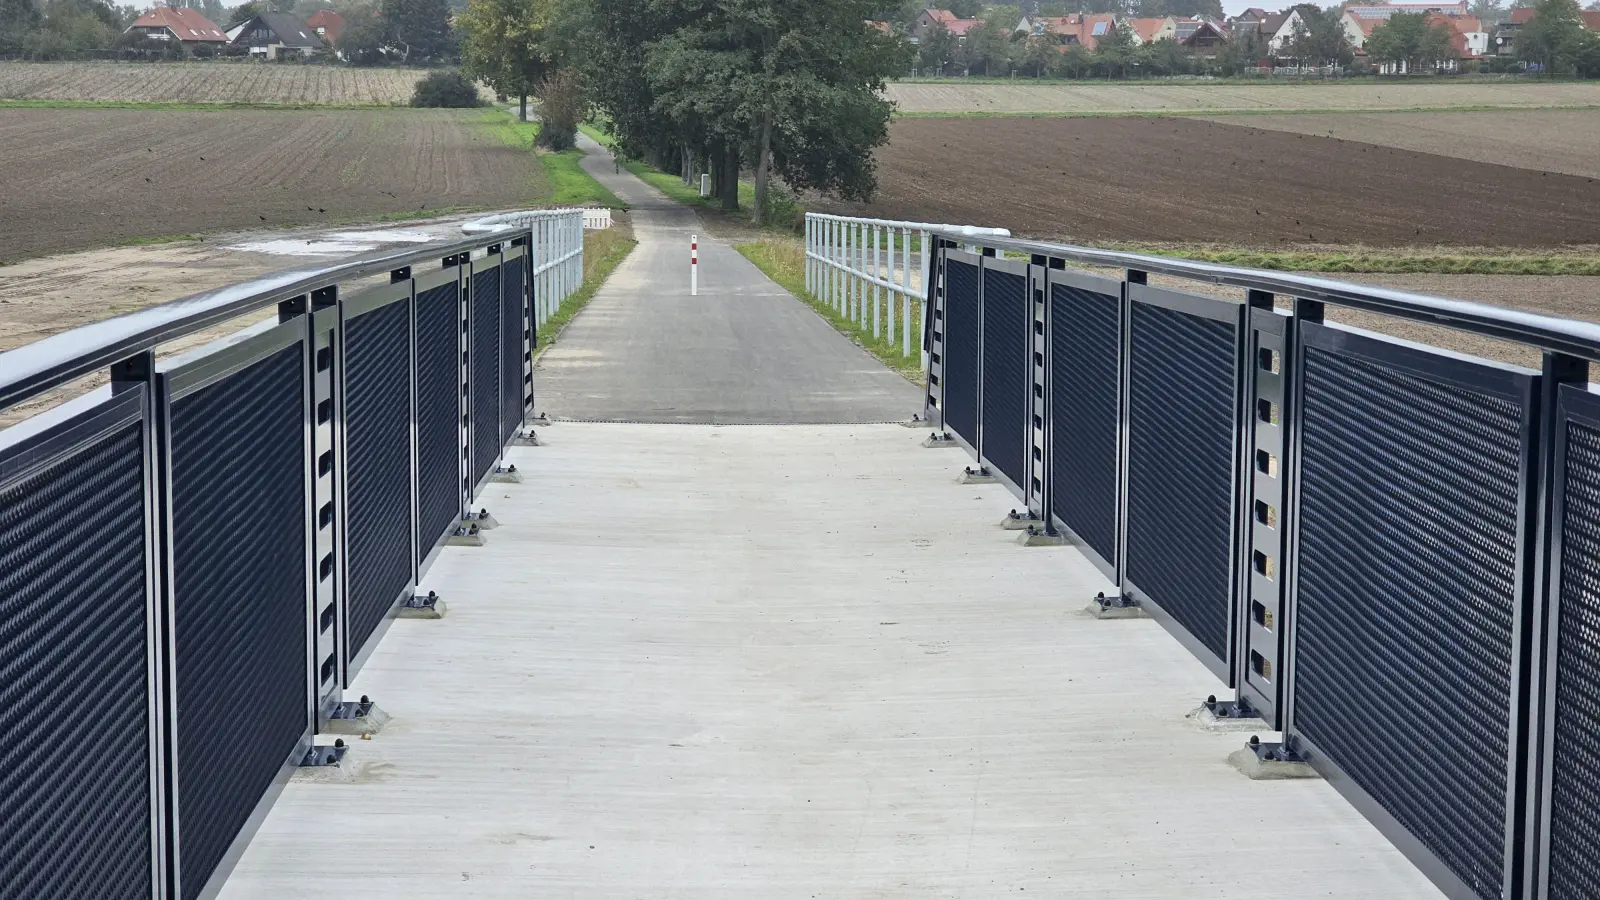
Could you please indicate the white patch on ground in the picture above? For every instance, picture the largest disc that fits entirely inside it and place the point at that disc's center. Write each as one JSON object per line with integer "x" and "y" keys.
{"x": 304, "y": 248}
{"x": 385, "y": 237}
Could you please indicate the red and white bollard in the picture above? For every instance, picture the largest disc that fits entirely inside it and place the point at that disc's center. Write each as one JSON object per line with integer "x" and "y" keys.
{"x": 694, "y": 266}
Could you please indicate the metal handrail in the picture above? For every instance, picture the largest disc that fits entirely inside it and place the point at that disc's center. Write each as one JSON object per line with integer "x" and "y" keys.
{"x": 1547, "y": 332}
{"x": 34, "y": 368}
{"x": 504, "y": 221}
{"x": 963, "y": 230}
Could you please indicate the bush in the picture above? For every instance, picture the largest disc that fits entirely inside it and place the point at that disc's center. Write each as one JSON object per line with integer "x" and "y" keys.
{"x": 783, "y": 208}
{"x": 447, "y": 89}
{"x": 561, "y": 107}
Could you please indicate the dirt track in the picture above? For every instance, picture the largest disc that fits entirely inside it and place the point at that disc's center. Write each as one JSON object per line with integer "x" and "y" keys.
{"x": 1174, "y": 180}
{"x": 78, "y": 178}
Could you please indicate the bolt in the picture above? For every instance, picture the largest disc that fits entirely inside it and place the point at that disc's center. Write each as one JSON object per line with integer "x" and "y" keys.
{"x": 1255, "y": 740}
{"x": 339, "y": 743}
{"x": 1211, "y": 700}
{"x": 365, "y": 700}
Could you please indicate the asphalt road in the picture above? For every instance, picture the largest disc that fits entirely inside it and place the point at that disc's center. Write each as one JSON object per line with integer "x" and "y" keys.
{"x": 744, "y": 351}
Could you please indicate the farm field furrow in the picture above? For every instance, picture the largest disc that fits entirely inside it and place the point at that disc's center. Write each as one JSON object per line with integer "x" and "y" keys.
{"x": 1553, "y": 140}
{"x": 1086, "y": 98}
{"x": 213, "y": 81}
{"x": 1181, "y": 180}
{"x": 155, "y": 173}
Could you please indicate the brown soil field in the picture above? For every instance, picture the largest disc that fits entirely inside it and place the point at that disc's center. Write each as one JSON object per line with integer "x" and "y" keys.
{"x": 211, "y": 81}
{"x": 78, "y": 178}
{"x": 1180, "y": 180}
{"x": 959, "y": 97}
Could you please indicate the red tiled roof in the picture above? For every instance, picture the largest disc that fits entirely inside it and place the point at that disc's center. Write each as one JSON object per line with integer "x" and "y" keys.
{"x": 959, "y": 27}
{"x": 942, "y": 15}
{"x": 1591, "y": 19}
{"x": 329, "y": 21}
{"x": 1146, "y": 28}
{"x": 185, "y": 24}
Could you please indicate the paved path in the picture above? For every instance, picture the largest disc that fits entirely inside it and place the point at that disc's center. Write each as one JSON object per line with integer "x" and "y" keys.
{"x": 789, "y": 663}
{"x": 743, "y": 351}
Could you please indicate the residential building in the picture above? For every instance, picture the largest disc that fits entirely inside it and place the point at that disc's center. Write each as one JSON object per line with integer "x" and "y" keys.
{"x": 1078, "y": 28}
{"x": 274, "y": 36}
{"x": 1150, "y": 30}
{"x": 1505, "y": 36}
{"x": 1201, "y": 33}
{"x": 186, "y": 26}
{"x": 1358, "y": 21}
{"x": 326, "y": 24}
{"x": 928, "y": 19}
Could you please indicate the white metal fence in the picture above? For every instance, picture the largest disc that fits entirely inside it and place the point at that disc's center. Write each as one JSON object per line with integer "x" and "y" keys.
{"x": 865, "y": 268}
{"x": 556, "y": 254}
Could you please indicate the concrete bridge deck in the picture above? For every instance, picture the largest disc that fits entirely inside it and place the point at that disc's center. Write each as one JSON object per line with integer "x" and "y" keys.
{"x": 786, "y": 661}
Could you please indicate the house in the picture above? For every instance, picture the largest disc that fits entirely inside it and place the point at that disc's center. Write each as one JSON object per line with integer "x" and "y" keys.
{"x": 327, "y": 25}
{"x": 275, "y": 36}
{"x": 1201, "y": 33}
{"x": 1505, "y": 37}
{"x": 186, "y": 26}
{"x": 1358, "y": 21}
{"x": 1078, "y": 28}
{"x": 928, "y": 19}
{"x": 1148, "y": 31}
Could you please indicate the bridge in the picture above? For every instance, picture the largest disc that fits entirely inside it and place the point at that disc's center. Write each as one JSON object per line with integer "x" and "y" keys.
{"x": 363, "y": 602}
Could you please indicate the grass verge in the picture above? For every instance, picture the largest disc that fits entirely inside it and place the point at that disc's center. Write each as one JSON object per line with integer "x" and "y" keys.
{"x": 603, "y": 251}
{"x": 784, "y": 261}
{"x": 190, "y": 105}
{"x": 1219, "y": 111}
{"x": 565, "y": 180}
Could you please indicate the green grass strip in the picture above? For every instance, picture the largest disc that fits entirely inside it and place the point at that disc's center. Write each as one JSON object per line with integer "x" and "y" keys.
{"x": 1222, "y": 111}
{"x": 784, "y": 261}
{"x": 603, "y": 251}
{"x": 567, "y": 183}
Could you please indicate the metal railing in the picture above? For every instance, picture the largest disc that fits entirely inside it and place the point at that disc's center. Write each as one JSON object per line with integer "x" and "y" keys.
{"x": 558, "y": 250}
{"x": 1388, "y": 551}
{"x": 856, "y": 265}
{"x": 196, "y": 559}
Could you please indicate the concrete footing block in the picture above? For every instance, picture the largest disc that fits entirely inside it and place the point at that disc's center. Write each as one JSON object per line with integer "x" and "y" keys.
{"x": 1103, "y": 607}
{"x": 917, "y": 421}
{"x": 1206, "y": 718}
{"x": 1037, "y": 537}
{"x": 1268, "y": 762}
{"x": 970, "y": 475}
{"x": 357, "y": 719}
{"x": 429, "y": 608}
{"x": 1015, "y": 521}
{"x": 937, "y": 441}
{"x": 509, "y": 476}
{"x": 469, "y": 539}
{"x": 527, "y": 438}
{"x": 483, "y": 520}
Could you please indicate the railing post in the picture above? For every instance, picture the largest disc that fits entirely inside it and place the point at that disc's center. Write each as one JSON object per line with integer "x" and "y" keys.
{"x": 905, "y": 296}
{"x": 877, "y": 275}
{"x": 927, "y": 292}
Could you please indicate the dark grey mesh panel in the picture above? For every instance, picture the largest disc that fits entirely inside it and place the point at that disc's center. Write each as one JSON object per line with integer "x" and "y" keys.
{"x": 512, "y": 355}
{"x": 485, "y": 363}
{"x": 1406, "y": 586}
{"x": 960, "y": 374}
{"x": 239, "y": 522}
{"x": 1007, "y": 362}
{"x": 1181, "y": 462}
{"x": 1575, "y": 780}
{"x": 378, "y": 481}
{"x": 1084, "y": 376}
{"x": 438, "y": 415}
{"x": 75, "y": 787}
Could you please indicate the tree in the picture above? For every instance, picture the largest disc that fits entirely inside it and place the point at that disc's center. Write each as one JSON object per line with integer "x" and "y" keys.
{"x": 964, "y": 9}
{"x": 1553, "y": 37}
{"x": 561, "y": 107}
{"x": 1165, "y": 57}
{"x": 1318, "y": 38}
{"x": 1115, "y": 49}
{"x": 364, "y": 41}
{"x": 1408, "y": 38}
{"x": 420, "y": 27}
{"x": 450, "y": 90}
{"x": 1488, "y": 11}
{"x": 506, "y": 44}
{"x": 1076, "y": 60}
{"x": 939, "y": 48}
{"x": 19, "y": 22}
{"x": 1038, "y": 55}
{"x": 988, "y": 44}
{"x": 244, "y": 12}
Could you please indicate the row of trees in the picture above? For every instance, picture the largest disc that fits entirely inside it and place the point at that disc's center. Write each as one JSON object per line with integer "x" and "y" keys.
{"x": 783, "y": 89}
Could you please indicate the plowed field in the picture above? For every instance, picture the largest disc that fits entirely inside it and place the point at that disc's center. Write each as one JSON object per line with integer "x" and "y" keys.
{"x": 1166, "y": 180}
{"x": 77, "y": 178}
{"x": 212, "y": 81}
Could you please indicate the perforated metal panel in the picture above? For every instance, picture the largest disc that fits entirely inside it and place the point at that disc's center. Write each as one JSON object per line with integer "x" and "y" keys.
{"x": 960, "y": 374}
{"x": 75, "y": 787}
{"x": 513, "y": 348}
{"x": 1182, "y": 459}
{"x": 1574, "y": 839}
{"x": 1406, "y": 585}
{"x": 1085, "y": 374}
{"x": 1006, "y": 373}
{"x": 485, "y": 363}
{"x": 377, "y": 400}
{"x": 239, "y": 523}
{"x": 438, "y": 411}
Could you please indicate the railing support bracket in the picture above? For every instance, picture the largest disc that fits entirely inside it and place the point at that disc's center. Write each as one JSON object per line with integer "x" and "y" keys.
{"x": 1023, "y": 521}
{"x": 980, "y": 475}
{"x": 528, "y": 438}
{"x": 420, "y": 606}
{"x": 940, "y": 439}
{"x": 916, "y": 421}
{"x": 324, "y": 755}
{"x": 1117, "y": 607}
{"x": 506, "y": 475}
{"x": 1039, "y": 536}
{"x": 483, "y": 521}
{"x": 1226, "y": 715}
{"x": 360, "y": 717}
{"x": 1261, "y": 761}
{"x": 465, "y": 535}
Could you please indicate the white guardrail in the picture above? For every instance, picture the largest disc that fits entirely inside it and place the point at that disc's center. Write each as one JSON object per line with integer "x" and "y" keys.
{"x": 854, "y": 266}
{"x": 556, "y": 254}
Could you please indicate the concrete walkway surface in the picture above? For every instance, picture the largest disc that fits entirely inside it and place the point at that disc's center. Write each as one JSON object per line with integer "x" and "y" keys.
{"x": 744, "y": 351}
{"x": 788, "y": 663}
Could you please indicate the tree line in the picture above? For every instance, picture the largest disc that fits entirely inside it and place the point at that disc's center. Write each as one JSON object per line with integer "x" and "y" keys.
{"x": 784, "y": 90}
